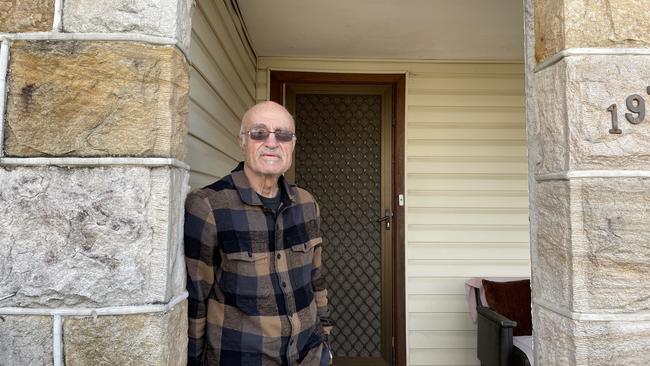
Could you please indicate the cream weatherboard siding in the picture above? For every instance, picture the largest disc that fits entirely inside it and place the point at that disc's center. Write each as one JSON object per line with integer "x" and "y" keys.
{"x": 466, "y": 199}
{"x": 222, "y": 87}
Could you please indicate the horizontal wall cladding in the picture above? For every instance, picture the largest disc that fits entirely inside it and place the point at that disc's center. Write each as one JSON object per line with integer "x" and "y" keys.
{"x": 466, "y": 189}
{"x": 467, "y": 202}
{"x": 443, "y": 357}
{"x": 222, "y": 88}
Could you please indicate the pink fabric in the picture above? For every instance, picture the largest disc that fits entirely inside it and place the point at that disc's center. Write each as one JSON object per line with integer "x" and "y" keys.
{"x": 477, "y": 282}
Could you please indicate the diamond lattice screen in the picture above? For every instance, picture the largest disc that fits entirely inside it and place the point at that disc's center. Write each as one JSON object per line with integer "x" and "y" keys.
{"x": 338, "y": 159}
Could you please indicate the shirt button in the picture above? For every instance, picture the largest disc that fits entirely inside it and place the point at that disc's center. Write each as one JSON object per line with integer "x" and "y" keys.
{"x": 284, "y": 284}
{"x": 279, "y": 255}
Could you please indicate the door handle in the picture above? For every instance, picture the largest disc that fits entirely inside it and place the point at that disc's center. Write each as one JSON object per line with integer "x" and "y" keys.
{"x": 388, "y": 216}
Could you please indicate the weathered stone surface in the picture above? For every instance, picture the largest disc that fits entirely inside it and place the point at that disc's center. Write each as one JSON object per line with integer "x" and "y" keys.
{"x": 25, "y": 340}
{"x": 184, "y": 23}
{"x": 562, "y": 24}
{"x": 611, "y": 244}
{"x": 553, "y": 338}
{"x": 26, "y": 16}
{"x": 549, "y": 37}
{"x": 548, "y": 132}
{"x": 563, "y": 341}
{"x": 573, "y": 97}
{"x": 90, "y": 236}
{"x": 72, "y": 98}
{"x": 176, "y": 191}
{"x": 553, "y": 263}
{"x": 531, "y": 124}
{"x": 590, "y": 245}
{"x": 594, "y": 83}
{"x": 593, "y": 251}
{"x": 166, "y": 18}
{"x": 138, "y": 340}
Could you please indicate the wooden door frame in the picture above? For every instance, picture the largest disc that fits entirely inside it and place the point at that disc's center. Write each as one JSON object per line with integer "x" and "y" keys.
{"x": 398, "y": 84}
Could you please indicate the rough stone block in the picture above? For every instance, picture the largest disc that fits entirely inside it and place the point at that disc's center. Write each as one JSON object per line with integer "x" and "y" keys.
{"x": 173, "y": 213}
{"x": 592, "y": 245}
{"x": 25, "y": 340}
{"x": 573, "y": 97}
{"x": 553, "y": 337}
{"x": 611, "y": 244}
{"x": 90, "y": 236}
{"x": 562, "y": 341}
{"x": 548, "y": 133}
{"x": 26, "y": 16}
{"x": 562, "y": 24}
{"x": 166, "y": 18}
{"x": 74, "y": 98}
{"x": 154, "y": 339}
{"x": 549, "y": 38}
{"x": 553, "y": 266}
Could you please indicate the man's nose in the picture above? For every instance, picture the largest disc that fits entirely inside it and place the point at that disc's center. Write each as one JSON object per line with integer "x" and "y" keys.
{"x": 271, "y": 141}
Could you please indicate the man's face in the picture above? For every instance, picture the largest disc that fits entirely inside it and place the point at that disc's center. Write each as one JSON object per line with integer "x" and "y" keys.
{"x": 268, "y": 156}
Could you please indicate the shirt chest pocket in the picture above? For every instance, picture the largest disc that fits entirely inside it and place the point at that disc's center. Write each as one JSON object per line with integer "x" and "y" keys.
{"x": 302, "y": 258}
{"x": 306, "y": 247}
{"x": 246, "y": 274}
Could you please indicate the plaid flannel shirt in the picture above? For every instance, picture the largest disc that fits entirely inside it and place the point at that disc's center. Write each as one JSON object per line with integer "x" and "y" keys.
{"x": 256, "y": 290}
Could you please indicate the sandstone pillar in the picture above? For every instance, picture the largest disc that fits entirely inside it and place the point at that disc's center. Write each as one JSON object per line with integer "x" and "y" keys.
{"x": 93, "y": 106}
{"x": 589, "y": 180}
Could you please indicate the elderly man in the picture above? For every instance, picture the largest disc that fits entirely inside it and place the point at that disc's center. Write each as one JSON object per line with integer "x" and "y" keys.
{"x": 253, "y": 255}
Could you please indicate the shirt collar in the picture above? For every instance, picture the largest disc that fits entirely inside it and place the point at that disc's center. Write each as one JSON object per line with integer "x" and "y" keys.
{"x": 248, "y": 194}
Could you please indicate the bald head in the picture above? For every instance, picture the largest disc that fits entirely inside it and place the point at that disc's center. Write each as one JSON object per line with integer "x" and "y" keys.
{"x": 264, "y": 108}
{"x": 266, "y": 155}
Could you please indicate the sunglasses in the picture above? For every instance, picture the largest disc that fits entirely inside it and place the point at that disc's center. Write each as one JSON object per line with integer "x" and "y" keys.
{"x": 263, "y": 134}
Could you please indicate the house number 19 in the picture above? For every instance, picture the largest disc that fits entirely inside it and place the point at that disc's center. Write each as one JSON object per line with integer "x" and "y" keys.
{"x": 636, "y": 105}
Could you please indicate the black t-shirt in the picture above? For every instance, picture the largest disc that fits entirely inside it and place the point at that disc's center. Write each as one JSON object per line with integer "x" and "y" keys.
{"x": 272, "y": 203}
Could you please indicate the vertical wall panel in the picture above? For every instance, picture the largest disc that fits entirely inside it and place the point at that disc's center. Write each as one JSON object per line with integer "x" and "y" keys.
{"x": 222, "y": 88}
{"x": 466, "y": 181}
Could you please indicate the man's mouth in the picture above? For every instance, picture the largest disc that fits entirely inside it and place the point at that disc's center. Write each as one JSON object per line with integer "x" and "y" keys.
{"x": 271, "y": 156}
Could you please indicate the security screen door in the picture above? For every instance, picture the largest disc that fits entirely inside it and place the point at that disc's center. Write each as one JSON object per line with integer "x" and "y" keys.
{"x": 343, "y": 157}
